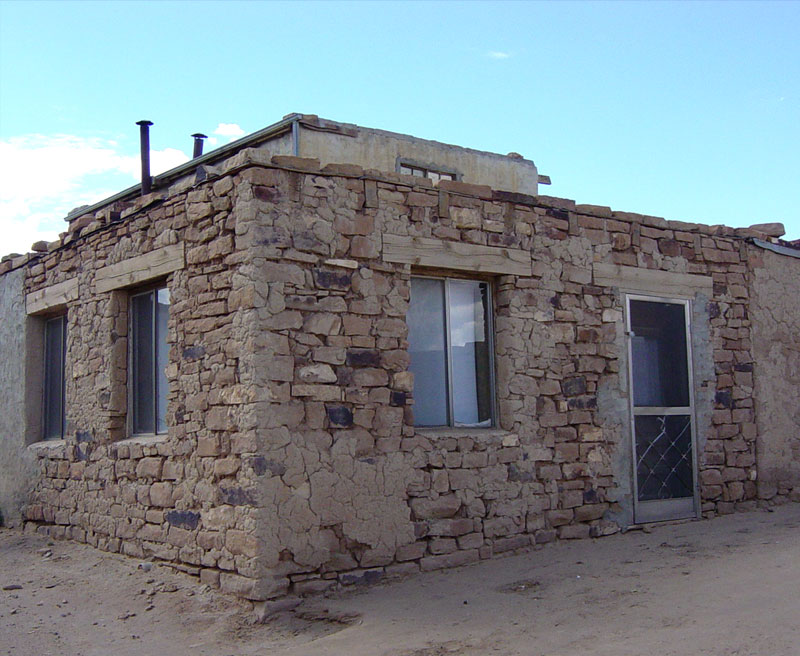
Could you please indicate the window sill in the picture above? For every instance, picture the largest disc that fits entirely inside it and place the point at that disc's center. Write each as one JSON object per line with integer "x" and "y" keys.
{"x": 47, "y": 447}
{"x": 475, "y": 432}
{"x": 146, "y": 439}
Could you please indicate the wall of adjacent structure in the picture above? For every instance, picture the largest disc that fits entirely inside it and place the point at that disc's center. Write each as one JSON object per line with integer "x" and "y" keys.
{"x": 17, "y": 471}
{"x": 292, "y": 460}
{"x": 378, "y": 149}
{"x": 775, "y": 312}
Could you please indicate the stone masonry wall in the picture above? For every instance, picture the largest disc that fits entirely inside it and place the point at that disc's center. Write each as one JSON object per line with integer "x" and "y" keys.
{"x": 292, "y": 461}
{"x": 355, "y": 491}
{"x": 176, "y": 497}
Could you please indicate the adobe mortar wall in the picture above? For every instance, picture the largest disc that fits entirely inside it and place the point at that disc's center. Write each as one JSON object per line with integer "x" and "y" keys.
{"x": 17, "y": 469}
{"x": 177, "y": 497}
{"x": 775, "y": 313}
{"x": 292, "y": 459}
{"x": 354, "y": 480}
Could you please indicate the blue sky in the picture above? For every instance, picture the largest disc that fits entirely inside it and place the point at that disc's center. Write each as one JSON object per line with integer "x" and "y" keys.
{"x": 687, "y": 110}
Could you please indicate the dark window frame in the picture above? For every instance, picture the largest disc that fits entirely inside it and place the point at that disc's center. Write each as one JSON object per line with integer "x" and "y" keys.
{"x": 492, "y": 421}
{"x": 431, "y": 172}
{"x": 54, "y": 367}
{"x": 155, "y": 424}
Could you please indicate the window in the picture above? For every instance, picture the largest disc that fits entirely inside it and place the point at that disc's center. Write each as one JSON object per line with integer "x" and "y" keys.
{"x": 148, "y": 361}
{"x": 55, "y": 348}
{"x": 449, "y": 326}
{"x": 423, "y": 172}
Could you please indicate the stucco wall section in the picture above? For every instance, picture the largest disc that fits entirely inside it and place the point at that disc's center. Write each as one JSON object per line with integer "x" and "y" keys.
{"x": 775, "y": 312}
{"x": 17, "y": 472}
{"x": 376, "y": 149}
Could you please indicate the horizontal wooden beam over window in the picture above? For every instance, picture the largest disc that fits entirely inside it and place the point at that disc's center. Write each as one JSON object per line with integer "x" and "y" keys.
{"x": 427, "y": 252}
{"x": 664, "y": 283}
{"x": 140, "y": 269}
{"x": 52, "y": 297}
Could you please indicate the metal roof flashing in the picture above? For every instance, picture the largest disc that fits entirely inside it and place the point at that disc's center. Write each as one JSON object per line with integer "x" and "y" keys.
{"x": 781, "y": 249}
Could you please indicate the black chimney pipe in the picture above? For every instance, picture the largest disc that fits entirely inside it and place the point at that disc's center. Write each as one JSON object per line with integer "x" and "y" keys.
{"x": 198, "y": 144}
{"x": 144, "y": 138}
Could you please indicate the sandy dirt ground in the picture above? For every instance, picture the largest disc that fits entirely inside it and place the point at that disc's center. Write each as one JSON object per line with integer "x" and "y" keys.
{"x": 728, "y": 586}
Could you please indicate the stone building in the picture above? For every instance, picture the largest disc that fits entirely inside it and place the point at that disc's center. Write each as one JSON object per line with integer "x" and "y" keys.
{"x": 325, "y": 354}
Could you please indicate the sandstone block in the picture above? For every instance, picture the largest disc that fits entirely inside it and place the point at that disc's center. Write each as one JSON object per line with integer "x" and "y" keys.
{"x": 411, "y": 551}
{"x": 323, "y": 323}
{"x": 574, "y": 531}
{"x": 362, "y": 576}
{"x": 241, "y": 543}
{"x": 219, "y": 517}
{"x": 208, "y": 446}
{"x": 313, "y": 586}
{"x": 370, "y": 377}
{"x": 590, "y": 512}
{"x": 559, "y": 517}
{"x": 218, "y": 418}
{"x": 512, "y": 543}
{"x": 364, "y": 247}
{"x": 470, "y": 541}
{"x": 209, "y": 577}
{"x": 769, "y": 229}
{"x": 254, "y": 589}
{"x": 440, "y": 508}
{"x": 161, "y": 494}
{"x": 475, "y": 459}
{"x": 442, "y": 545}
{"x": 226, "y": 466}
{"x": 317, "y": 373}
{"x": 150, "y": 532}
{"x": 318, "y": 392}
{"x": 455, "y": 559}
{"x": 450, "y": 527}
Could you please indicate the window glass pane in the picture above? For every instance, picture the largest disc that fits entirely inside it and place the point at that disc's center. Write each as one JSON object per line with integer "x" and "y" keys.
{"x": 426, "y": 331}
{"x": 142, "y": 363}
{"x": 55, "y": 343}
{"x": 469, "y": 347}
{"x": 162, "y": 358}
{"x": 664, "y": 456}
{"x": 659, "y": 354}
{"x": 405, "y": 170}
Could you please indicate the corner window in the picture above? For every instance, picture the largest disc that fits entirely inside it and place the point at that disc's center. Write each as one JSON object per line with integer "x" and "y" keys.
{"x": 149, "y": 354}
{"x": 422, "y": 172}
{"x": 55, "y": 348}
{"x": 449, "y": 334}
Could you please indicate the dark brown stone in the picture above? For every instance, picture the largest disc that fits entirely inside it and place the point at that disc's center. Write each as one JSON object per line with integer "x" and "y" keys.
{"x": 363, "y": 357}
{"x": 340, "y": 280}
{"x": 574, "y": 386}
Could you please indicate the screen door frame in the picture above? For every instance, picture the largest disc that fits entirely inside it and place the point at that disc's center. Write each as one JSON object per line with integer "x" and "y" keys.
{"x": 658, "y": 510}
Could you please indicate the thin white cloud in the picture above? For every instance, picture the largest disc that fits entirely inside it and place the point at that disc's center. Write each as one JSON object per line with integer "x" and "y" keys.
{"x": 44, "y": 177}
{"x": 232, "y": 130}
{"x": 498, "y": 54}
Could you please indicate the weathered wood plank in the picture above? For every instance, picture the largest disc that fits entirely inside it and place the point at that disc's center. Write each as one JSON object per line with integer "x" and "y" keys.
{"x": 51, "y": 297}
{"x": 664, "y": 283}
{"x": 427, "y": 252}
{"x": 140, "y": 269}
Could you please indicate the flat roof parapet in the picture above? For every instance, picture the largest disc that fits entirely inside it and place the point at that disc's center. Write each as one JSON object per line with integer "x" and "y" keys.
{"x": 245, "y": 152}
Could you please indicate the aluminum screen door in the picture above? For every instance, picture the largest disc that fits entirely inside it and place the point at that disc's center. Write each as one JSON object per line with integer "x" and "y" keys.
{"x": 662, "y": 409}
